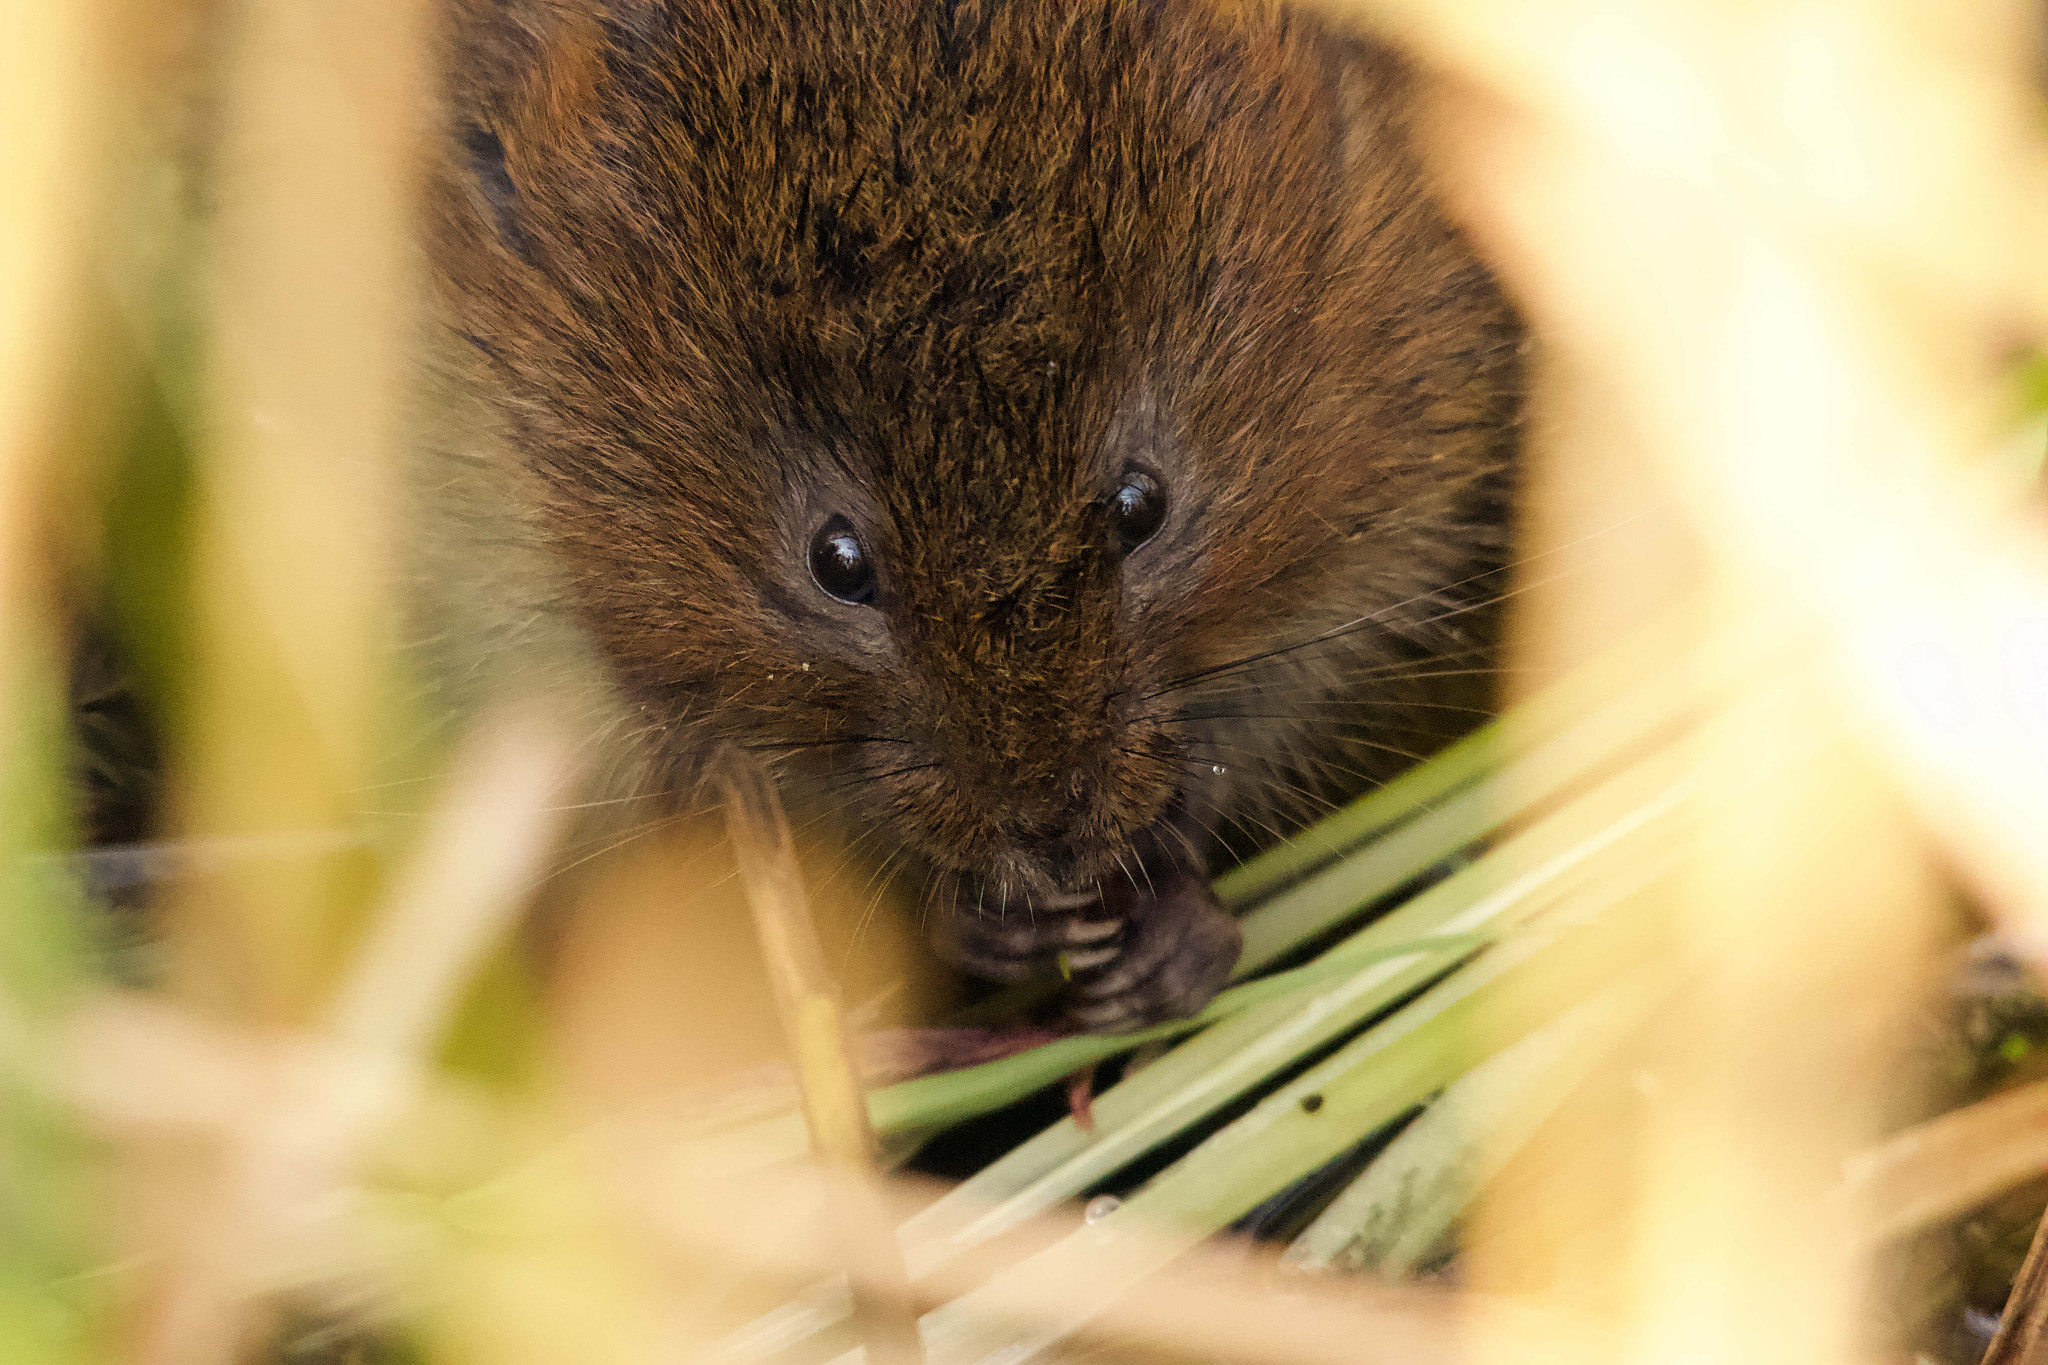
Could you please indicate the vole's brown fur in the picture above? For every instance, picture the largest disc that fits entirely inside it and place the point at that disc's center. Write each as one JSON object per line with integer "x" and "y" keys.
{"x": 946, "y": 268}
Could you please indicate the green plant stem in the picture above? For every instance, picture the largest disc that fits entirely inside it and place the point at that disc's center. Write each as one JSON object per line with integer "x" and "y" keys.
{"x": 1399, "y": 1209}
{"x": 1389, "y": 1069}
{"x": 1458, "y": 766}
{"x": 948, "y": 1097}
{"x": 1562, "y": 856}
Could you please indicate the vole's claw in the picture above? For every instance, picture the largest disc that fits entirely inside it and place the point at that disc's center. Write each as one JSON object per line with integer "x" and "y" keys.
{"x": 1141, "y": 956}
{"x": 990, "y": 946}
{"x": 1011, "y": 944}
{"x": 1175, "y": 951}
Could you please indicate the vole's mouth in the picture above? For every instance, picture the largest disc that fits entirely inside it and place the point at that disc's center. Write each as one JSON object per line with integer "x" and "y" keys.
{"x": 1014, "y": 896}
{"x": 1025, "y": 884}
{"x": 1069, "y": 900}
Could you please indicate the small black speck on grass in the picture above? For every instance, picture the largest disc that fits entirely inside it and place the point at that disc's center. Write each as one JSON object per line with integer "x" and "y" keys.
{"x": 1311, "y": 1103}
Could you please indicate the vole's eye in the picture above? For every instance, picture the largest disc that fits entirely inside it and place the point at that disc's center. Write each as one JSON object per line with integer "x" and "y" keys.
{"x": 1137, "y": 509}
{"x": 840, "y": 564}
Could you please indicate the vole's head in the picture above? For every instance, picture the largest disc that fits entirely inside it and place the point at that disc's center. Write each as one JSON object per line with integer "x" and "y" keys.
{"x": 928, "y": 390}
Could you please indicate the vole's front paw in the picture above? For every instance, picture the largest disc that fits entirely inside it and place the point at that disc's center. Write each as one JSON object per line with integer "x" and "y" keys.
{"x": 1174, "y": 951}
{"x": 1009, "y": 943}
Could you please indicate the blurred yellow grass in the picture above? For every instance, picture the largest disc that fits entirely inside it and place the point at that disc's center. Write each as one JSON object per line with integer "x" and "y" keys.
{"x": 1774, "y": 251}
{"x": 310, "y": 290}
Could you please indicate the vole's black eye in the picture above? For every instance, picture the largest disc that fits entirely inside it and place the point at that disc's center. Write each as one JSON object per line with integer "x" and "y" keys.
{"x": 1137, "y": 509}
{"x": 840, "y": 564}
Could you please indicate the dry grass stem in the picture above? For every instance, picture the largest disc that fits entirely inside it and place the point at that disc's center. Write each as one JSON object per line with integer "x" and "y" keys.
{"x": 288, "y": 1114}
{"x": 835, "y": 1109}
{"x": 309, "y": 287}
{"x": 1792, "y": 241}
{"x": 1947, "y": 1165}
{"x": 49, "y": 86}
{"x": 1778, "y": 250}
{"x": 2022, "y": 1337}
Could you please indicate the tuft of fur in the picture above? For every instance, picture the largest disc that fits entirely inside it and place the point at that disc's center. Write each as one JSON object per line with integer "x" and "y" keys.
{"x": 716, "y": 270}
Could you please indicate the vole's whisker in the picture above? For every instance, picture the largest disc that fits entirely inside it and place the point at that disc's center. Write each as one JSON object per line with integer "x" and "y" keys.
{"x": 1268, "y": 769}
{"x": 629, "y": 836}
{"x": 857, "y": 779}
{"x": 1249, "y": 678}
{"x": 1296, "y": 717}
{"x": 1173, "y": 827}
{"x": 1251, "y": 756}
{"x": 872, "y": 894}
{"x": 853, "y": 849}
{"x": 1303, "y": 707}
{"x": 667, "y": 793}
{"x": 1264, "y": 827}
{"x": 793, "y": 745}
{"x": 1379, "y": 617}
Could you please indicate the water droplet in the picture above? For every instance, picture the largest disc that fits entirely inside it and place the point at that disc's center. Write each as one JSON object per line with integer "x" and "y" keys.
{"x": 1100, "y": 1207}
{"x": 1218, "y": 769}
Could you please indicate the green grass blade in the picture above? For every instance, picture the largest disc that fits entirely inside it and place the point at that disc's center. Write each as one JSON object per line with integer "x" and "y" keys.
{"x": 948, "y": 1097}
{"x": 1557, "y": 743}
{"x": 1304, "y": 911}
{"x": 1420, "y": 788}
{"x": 1389, "y": 1219}
{"x": 1563, "y": 854}
{"x": 52, "y": 1304}
{"x": 1549, "y": 742}
{"x": 1389, "y": 1069}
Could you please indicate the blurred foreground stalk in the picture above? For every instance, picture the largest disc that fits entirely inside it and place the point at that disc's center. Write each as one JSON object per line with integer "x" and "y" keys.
{"x": 310, "y": 291}
{"x": 835, "y": 1110}
{"x": 1778, "y": 253}
{"x": 54, "y": 87}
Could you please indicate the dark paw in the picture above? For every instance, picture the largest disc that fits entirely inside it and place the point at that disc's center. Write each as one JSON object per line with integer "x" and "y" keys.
{"x": 1009, "y": 943}
{"x": 1173, "y": 951}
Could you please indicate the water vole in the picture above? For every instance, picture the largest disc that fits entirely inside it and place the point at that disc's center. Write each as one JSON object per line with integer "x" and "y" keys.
{"x": 979, "y": 406}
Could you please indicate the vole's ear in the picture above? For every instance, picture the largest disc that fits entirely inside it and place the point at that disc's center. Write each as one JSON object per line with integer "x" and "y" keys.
{"x": 1376, "y": 90}
{"x": 1383, "y": 100}
{"x": 491, "y": 179}
{"x": 499, "y": 46}
{"x": 639, "y": 21}
{"x": 521, "y": 81}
